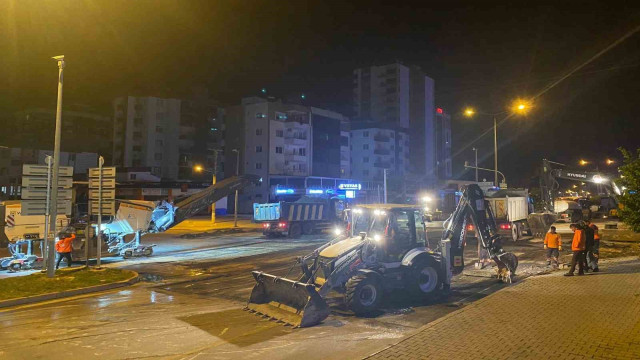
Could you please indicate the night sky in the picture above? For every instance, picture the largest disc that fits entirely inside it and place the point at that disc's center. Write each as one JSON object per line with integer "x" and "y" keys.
{"x": 480, "y": 53}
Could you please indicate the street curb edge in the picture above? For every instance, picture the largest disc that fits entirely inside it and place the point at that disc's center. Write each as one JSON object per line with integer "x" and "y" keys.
{"x": 68, "y": 293}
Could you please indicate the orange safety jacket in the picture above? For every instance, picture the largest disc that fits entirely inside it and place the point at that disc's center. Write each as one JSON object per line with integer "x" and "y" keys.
{"x": 64, "y": 245}
{"x": 553, "y": 241}
{"x": 579, "y": 241}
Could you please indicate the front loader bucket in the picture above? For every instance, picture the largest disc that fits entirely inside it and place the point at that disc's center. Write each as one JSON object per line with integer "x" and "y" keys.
{"x": 295, "y": 303}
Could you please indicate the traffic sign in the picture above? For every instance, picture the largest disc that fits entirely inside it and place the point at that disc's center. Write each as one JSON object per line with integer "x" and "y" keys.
{"x": 41, "y": 170}
{"x": 106, "y": 172}
{"x": 41, "y": 194}
{"x": 39, "y": 207}
{"x": 107, "y": 183}
{"x": 41, "y": 182}
{"x": 108, "y": 207}
{"x": 107, "y": 194}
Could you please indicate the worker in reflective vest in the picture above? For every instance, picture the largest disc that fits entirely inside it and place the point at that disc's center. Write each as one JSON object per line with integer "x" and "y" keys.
{"x": 553, "y": 245}
{"x": 63, "y": 248}
{"x": 577, "y": 246}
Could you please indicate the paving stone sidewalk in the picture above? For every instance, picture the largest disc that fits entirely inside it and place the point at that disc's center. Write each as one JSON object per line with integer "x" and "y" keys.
{"x": 596, "y": 316}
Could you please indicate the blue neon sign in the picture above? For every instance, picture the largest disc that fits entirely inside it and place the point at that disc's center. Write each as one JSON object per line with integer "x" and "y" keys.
{"x": 350, "y": 186}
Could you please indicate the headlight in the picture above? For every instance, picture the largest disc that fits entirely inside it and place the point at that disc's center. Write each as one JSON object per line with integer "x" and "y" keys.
{"x": 337, "y": 231}
{"x": 377, "y": 237}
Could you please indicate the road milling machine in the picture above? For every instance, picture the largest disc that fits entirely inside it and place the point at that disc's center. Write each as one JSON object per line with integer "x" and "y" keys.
{"x": 386, "y": 249}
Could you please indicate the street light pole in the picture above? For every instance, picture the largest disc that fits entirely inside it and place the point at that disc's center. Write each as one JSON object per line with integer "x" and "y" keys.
{"x": 476, "y": 151}
{"x": 53, "y": 211}
{"x": 235, "y": 206}
{"x": 385, "y": 184}
{"x": 495, "y": 151}
{"x": 213, "y": 182}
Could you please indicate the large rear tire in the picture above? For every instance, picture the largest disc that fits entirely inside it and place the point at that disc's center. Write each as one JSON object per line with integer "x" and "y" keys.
{"x": 295, "y": 230}
{"x": 427, "y": 279}
{"x": 363, "y": 294}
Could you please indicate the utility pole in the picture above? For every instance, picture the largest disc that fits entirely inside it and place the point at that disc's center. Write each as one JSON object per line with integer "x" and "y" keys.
{"x": 53, "y": 210}
{"x": 235, "y": 206}
{"x": 495, "y": 151}
{"x": 99, "y": 232}
{"x": 213, "y": 182}
{"x": 48, "y": 161}
{"x": 476, "y": 150}
{"x": 384, "y": 172}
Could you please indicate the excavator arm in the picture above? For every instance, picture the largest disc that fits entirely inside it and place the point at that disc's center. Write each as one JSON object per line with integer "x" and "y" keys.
{"x": 472, "y": 206}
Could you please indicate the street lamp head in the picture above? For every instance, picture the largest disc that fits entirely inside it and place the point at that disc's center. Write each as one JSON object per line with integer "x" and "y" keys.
{"x": 198, "y": 168}
{"x": 521, "y": 106}
{"x": 234, "y": 150}
{"x": 610, "y": 162}
{"x": 469, "y": 112}
{"x": 583, "y": 162}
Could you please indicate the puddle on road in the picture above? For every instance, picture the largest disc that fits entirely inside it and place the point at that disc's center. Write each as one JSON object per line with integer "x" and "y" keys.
{"x": 238, "y": 327}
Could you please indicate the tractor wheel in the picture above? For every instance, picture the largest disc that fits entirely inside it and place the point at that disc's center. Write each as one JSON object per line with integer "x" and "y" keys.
{"x": 427, "y": 280}
{"x": 295, "y": 230}
{"x": 15, "y": 267}
{"x": 128, "y": 254}
{"x": 148, "y": 251}
{"x": 363, "y": 294}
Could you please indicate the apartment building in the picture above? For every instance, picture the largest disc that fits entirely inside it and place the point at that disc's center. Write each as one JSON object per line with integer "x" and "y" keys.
{"x": 376, "y": 147}
{"x": 443, "y": 145}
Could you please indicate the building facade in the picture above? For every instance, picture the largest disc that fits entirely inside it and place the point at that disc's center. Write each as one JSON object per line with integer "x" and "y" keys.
{"x": 443, "y": 145}
{"x": 376, "y": 147}
{"x": 12, "y": 159}
{"x": 278, "y": 140}
{"x": 402, "y": 96}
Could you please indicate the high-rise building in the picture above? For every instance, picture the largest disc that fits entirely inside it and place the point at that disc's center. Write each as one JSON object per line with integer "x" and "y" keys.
{"x": 443, "y": 144}
{"x": 147, "y": 133}
{"x": 327, "y": 143}
{"x": 401, "y": 96}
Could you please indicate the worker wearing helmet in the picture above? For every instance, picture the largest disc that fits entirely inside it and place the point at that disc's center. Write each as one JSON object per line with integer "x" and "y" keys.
{"x": 553, "y": 245}
{"x": 593, "y": 253}
{"x": 577, "y": 246}
{"x": 63, "y": 248}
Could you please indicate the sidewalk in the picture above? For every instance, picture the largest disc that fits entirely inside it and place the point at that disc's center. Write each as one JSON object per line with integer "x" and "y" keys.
{"x": 202, "y": 224}
{"x": 594, "y": 316}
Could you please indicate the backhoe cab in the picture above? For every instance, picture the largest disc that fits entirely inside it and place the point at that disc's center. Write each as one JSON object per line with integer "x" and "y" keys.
{"x": 385, "y": 249}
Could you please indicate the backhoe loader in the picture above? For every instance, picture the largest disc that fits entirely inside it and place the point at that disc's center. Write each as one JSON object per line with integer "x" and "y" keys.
{"x": 386, "y": 248}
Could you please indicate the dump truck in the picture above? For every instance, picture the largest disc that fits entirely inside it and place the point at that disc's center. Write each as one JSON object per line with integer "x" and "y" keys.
{"x": 511, "y": 210}
{"x": 385, "y": 249}
{"x": 304, "y": 216}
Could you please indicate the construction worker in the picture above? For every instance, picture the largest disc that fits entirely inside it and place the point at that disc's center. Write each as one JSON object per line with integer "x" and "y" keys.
{"x": 63, "y": 248}
{"x": 594, "y": 253}
{"x": 553, "y": 245}
{"x": 577, "y": 246}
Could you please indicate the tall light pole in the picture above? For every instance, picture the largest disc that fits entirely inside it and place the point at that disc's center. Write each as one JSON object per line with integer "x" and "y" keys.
{"x": 519, "y": 106}
{"x": 235, "y": 203}
{"x": 476, "y": 164}
{"x": 53, "y": 210}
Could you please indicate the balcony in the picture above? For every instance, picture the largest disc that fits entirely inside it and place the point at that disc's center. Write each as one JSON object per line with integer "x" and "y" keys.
{"x": 381, "y": 151}
{"x": 295, "y": 158}
{"x": 381, "y": 138}
{"x": 295, "y": 141}
{"x": 384, "y": 165}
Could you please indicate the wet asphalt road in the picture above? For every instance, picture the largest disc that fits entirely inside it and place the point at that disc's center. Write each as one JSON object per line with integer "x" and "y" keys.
{"x": 189, "y": 306}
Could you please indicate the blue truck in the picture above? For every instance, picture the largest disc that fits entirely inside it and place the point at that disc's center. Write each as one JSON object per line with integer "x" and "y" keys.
{"x": 307, "y": 215}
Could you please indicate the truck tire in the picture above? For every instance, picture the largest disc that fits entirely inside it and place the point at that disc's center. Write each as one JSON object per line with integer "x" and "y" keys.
{"x": 426, "y": 278}
{"x": 515, "y": 232}
{"x": 363, "y": 294}
{"x": 308, "y": 228}
{"x": 295, "y": 230}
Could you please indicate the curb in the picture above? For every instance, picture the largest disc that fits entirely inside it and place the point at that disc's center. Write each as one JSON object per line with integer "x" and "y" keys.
{"x": 69, "y": 293}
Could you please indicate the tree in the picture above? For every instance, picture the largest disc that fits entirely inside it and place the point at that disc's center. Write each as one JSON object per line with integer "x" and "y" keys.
{"x": 629, "y": 183}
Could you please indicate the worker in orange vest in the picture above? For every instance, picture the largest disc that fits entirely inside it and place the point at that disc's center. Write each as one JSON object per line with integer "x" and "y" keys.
{"x": 553, "y": 245}
{"x": 577, "y": 246}
{"x": 63, "y": 248}
{"x": 594, "y": 252}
